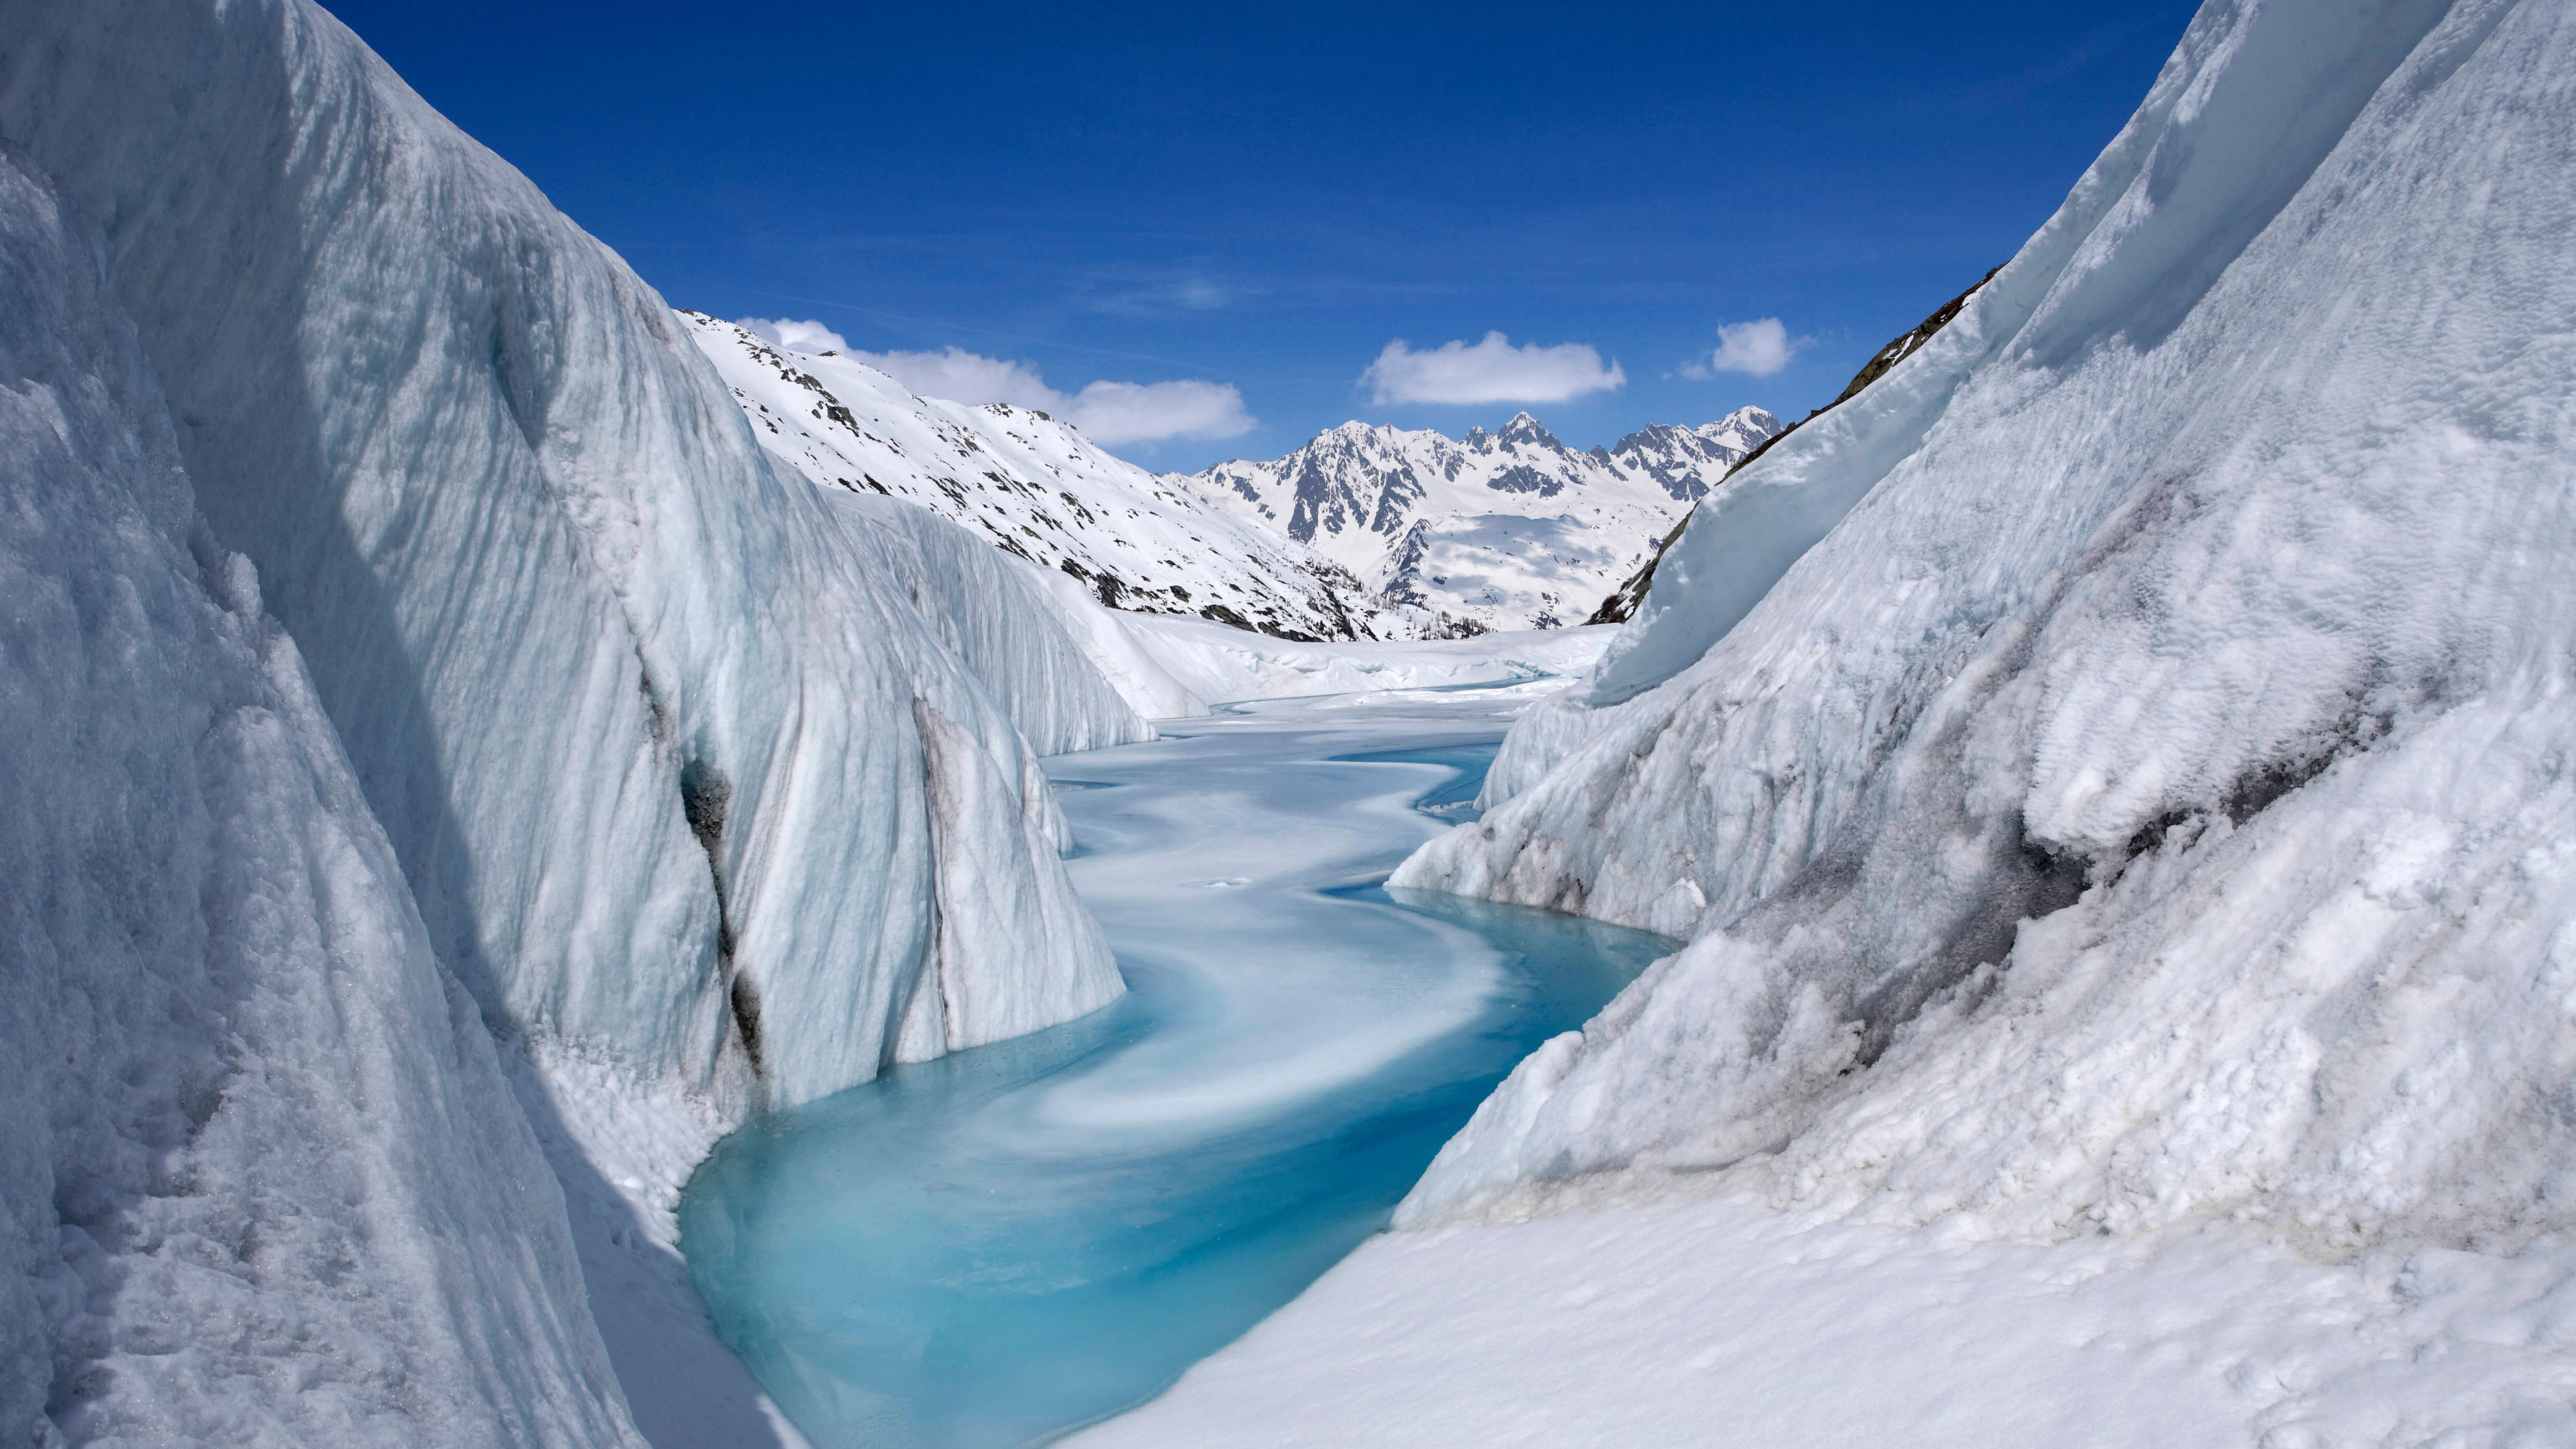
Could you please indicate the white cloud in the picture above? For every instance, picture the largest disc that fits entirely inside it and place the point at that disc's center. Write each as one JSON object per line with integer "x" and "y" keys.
{"x": 1490, "y": 371}
{"x": 794, "y": 335}
{"x": 1760, "y": 348}
{"x": 1109, "y": 413}
{"x": 1136, "y": 412}
{"x": 967, "y": 377}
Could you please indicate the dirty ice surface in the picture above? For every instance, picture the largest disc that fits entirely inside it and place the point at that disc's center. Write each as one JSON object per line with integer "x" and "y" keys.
{"x": 992, "y": 1247}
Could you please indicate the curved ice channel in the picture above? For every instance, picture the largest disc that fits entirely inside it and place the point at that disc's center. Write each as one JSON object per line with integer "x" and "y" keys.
{"x": 1007, "y": 1243}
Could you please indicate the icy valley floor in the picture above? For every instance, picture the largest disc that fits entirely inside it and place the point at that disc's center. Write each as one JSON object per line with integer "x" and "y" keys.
{"x": 994, "y": 1246}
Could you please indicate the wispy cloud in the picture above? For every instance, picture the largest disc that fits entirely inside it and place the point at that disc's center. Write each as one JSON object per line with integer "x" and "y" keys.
{"x": 1488, "y": 372}
{"x": 1109, "y": 413}
{"x": 1758, "y": 348}
{"x": 1162, "y": 297}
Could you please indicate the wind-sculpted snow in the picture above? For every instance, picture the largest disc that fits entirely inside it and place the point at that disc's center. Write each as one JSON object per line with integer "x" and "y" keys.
{"x": 2151, "y": 800}
{"x": 638, "y": 716}
{"x": 262, "y": 1178}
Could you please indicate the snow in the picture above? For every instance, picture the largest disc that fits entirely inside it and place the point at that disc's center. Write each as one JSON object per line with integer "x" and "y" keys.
{"x": 1213, "y": 664}
{"x": 1691, "y": 1323}
{"x": 1508, "y": 531}
{"x": 556, "y": 721}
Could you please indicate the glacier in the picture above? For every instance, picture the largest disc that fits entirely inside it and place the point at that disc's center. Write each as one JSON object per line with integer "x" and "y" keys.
{"x": 2113, "y": 772}
{"x": 477, "y": 778}
{"x": 265, "y": 1179}
{"x": 2197, "y": 671}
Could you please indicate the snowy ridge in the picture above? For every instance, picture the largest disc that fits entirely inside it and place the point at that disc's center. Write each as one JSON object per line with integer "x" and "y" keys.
{"x": 695, "y": 777}
{"x": 1508, "y": 530}
{"x": 2149, "y": 801}
{"x": 1036, "y": 488}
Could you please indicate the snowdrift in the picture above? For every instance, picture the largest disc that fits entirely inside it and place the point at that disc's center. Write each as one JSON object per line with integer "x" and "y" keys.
{"x": 2151, "y": 799}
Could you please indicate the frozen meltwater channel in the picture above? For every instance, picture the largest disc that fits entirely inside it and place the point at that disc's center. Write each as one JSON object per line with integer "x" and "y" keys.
{"x": 1004, "y": 1244}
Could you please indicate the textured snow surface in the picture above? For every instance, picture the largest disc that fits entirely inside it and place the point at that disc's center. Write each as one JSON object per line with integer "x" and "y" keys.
{"x": 1721, "y": 1323}
{"x": 1035, "y": 487}
{"x": 1510, "y": 530}
{"x": 2151, "y": 802}
{"x": 264, "y": 1179}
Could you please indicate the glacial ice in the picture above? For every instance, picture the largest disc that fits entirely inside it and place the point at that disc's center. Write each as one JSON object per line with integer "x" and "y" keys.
{"x": 553, "y": 596}
{"x": 263, "y": 1179}
{"x": 2149, "y": 801}
{"x": 555, "y": 718}
{"x": 2116, "y": 773}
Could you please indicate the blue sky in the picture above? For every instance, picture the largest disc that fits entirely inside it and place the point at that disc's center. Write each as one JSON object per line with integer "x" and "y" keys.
{"x": 1264, "y": 198}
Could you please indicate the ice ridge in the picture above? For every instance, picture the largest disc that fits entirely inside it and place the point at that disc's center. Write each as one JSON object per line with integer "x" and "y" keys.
{"x": 2113, "y": 768}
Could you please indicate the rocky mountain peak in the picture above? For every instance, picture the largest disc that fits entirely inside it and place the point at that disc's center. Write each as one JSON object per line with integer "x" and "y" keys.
{"x": 1524, "y": 430}
{"x": 1506, "y": 529}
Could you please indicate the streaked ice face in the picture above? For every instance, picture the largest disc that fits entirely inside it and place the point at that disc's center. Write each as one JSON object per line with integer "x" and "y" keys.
{"x": 995, "y": 1246}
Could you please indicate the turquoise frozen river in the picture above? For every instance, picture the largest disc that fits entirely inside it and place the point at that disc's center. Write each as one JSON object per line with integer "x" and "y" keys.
{"x": 1005, "y": 1244}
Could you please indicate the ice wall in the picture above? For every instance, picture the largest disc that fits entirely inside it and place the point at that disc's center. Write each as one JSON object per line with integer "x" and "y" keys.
{"x": 262, "y": 1179}
{"x": 2151, "y": 797}
{"x": 640, "y": 721}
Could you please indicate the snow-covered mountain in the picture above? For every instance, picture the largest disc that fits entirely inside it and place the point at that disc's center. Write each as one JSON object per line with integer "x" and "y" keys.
{"x": 1507, "y": 530}
{"x": 1036, "y": 488}
{"x": 1365, "y": 533}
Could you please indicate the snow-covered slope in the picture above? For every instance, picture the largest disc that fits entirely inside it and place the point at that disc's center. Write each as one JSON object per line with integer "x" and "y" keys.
{"x": 1035, "y": 487}
{"x": 1509, "y": 530}
{"x": 2150, "y": 800}
{"x": 706, "y": 789}
{"x": 262, "y": 1178}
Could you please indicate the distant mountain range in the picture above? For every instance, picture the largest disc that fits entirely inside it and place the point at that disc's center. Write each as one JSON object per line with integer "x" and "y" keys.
{"x": 1507, "y": 530}
{"x": 1034, "y": 486}
{"x": 1364, "y": 533}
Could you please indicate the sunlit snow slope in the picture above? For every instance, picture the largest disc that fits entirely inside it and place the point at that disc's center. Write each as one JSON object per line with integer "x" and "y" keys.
{"x": 1509, "y": 530}
{"x": 2116, "y": 768}
{"x": 1034, "y": 487}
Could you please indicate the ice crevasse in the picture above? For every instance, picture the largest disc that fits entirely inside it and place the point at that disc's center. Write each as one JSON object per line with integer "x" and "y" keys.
{"x": 410, "y": 649}
{"x": 2115, "y": 770}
